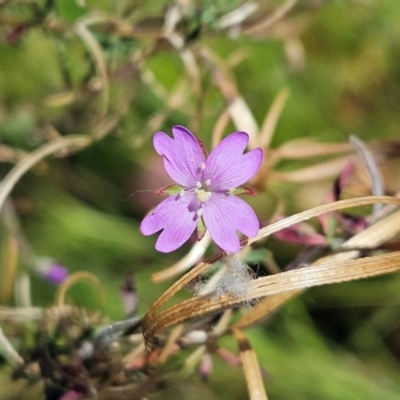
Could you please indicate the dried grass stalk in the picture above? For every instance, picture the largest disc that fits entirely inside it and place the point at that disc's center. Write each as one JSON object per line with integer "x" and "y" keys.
{"x": 204, "y": 306}
{"x": 331, "y": 272}
{"x": 251, "y": 367}
{"x": 72, "y": 280}
{"x": 65, "y": 144}
{"x": 371, "y": 238}
{"x": 272, "y": 118}
{"x": 10, "y": 257}
{"x": 96, "y": 52}
{"x": 196, "y": 252}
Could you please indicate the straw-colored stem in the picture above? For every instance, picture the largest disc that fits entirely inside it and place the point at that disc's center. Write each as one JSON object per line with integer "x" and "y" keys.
{"x": 15, "y": 174}
{"x": 9, "y": 353}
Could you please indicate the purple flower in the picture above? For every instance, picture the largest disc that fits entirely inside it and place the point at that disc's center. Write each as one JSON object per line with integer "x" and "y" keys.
{"x": 50, "y": 270}
{"x": 205, "y": 194}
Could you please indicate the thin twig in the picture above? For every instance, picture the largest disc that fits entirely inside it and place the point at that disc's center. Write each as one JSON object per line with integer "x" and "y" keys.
{"x": 9, "y": 353}
{"x": 15, "y": 174}
{"x": 21, "y": 314}
{"x": 237, "y": 16}
{"x": 97, "y": 53}
{"x": 10, "y": 260}
{"x": 274, "y": 18}
{"x": 22, "y": 290}
{"x": 377, "y": 185}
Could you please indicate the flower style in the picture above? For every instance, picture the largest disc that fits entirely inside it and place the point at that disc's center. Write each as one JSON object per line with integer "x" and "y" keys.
{"x": 205, "y": 194}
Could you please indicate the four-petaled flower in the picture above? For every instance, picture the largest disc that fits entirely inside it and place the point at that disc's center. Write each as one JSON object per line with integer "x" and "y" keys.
{"x": 205, "y": 194}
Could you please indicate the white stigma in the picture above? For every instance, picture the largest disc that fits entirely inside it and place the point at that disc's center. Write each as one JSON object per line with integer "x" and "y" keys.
{"x": 203, "y": 166}
{"x": 182, "y": 192}
{"x": 202, "y": 195}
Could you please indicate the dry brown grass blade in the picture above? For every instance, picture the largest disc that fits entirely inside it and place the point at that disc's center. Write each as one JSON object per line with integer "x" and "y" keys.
{"x": 372, "y": 237}
{"x": 236, "y": 17}
{"x": 204, "y": 306}
{"x": 244, "y": 119}
{"x": 372, "y": 169}
{"x": 8, "y": 352}
{"x": 265, "y": 308}
{"x": 314, "y": 212}
{"x": 75, "y": 278}
{"x": 65, "y": 144}
{"x": 132, "y": 355}
{"x": 10, "y": 257}
{"x": 197, "y": 307}
{"x": 22, "y": 290}
{"x": 173, "y": 101}
{"x": 10, "y": 154}
{"x": 187, "y": 310}
{"x": 168, "y": 348}
{"x": 23, "y": 314}
{"x": 173, "y": 17}
{"x": 251, "y": 367}
{"x": 60, "y": 99}
{"x": 178, "y": 285}
{"x": 272, "y": 117}
{"x": 339, "y": 271}
{"x": 193, "y": 360}
{"x": 188, "y": 59}
{"x": 271, "y": 20}
{"x": 219, "y": 128}
{"x": 194, "y": 255}
{"x": 99, "y": 61}
{"x": 370, "y": 164}
{"x": 306, "y": 148}
{"x": 239, "y": 110}
{"x": 317, "y": 172}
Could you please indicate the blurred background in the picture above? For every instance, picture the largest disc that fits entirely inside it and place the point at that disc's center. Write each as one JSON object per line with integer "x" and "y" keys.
{"x": 316, "y": 71}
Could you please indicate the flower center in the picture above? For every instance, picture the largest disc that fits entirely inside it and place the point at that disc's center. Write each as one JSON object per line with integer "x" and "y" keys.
{"x": 201, "y": 191}
{"x": 203, "y": 195}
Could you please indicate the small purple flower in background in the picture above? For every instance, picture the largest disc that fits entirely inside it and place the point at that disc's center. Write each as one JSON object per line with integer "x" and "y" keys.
{"x": 205, "y": 194}
{"x": 129, "y": 295}
{"x": 50, "y": 270}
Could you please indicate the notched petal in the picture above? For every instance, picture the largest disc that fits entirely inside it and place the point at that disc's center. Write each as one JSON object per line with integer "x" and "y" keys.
{"x": 227, "y": 167}
{"x": 224, "y": 215}
{"x": 182, "y": 155}
{"x": 173, "y": 217}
